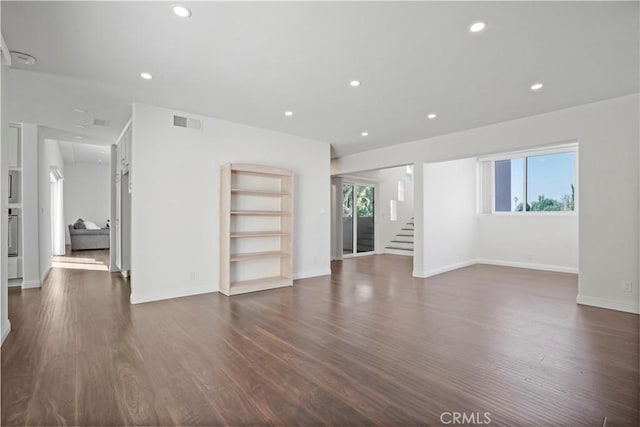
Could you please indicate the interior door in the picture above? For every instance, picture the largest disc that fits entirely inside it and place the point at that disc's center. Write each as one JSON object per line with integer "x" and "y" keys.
{"x": 125, "y": 224}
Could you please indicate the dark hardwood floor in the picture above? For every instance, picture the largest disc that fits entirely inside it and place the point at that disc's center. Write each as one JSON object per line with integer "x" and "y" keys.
{"x": 368, "y": 345}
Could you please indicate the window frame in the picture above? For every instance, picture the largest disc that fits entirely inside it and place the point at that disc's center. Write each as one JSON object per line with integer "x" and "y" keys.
{"x": 568, "y": 148}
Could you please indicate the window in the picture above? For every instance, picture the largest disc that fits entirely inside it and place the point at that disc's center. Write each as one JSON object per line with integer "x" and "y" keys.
{"x": 537, "y": 183}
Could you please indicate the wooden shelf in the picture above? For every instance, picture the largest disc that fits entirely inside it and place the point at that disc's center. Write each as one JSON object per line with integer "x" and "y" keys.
{"x": 261, "y": 213}
{"x": 263, "y": 193}
{"x": 259, "y": 170}
{"x": 254, "y": 255}
{"x": 239, "y": 234}
{"x": 269, "y": 182}
{"x": 261, "y": 284}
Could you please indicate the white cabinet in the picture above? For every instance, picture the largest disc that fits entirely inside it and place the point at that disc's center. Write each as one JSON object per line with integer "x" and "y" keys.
{"x": 14, "y": 202}
{"x": 13, "y": 149}
{"x": 14, "y": 267}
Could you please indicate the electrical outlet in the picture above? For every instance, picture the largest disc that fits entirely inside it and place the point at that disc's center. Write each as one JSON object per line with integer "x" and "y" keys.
{"x": 627, "y": 286}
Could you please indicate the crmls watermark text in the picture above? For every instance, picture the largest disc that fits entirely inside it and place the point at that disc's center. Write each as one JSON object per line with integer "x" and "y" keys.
{"x": 453, "y": 418}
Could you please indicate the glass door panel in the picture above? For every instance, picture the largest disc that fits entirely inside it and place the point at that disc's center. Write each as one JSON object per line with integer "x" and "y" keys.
{"x": 365, "y": 234}
{"x": 347, "y": 218}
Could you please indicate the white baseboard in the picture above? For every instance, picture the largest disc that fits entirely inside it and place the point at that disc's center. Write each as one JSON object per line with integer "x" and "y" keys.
{"x": 5, "y": 331}
{"x": 171, "y": 293}
{"x": 625, "y": 306}
{"x": 113, "y": 269}
{"x": 440, "y": 270}
{"x": 308, "y": 274}
{"x": 45, "y": 274}
{"x": 28, "y": 284}
{"x": 530, "y": 266}
{"x": 396, "y": 252}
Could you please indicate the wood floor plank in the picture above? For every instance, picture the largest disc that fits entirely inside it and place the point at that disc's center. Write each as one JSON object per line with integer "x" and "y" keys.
{"x": 369, "y": 345}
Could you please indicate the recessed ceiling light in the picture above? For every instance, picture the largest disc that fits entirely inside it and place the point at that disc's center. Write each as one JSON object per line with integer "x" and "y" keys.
{"x": 80, "y": 110}
{"x": 146, "y": 76}
{"x": 477, "y": 27}
{"x": 432, "y": 116}
{"x": 536, "y": 86}
{"x": 23, "y": 58}
{"x": 78, "y": 137}
{"x": 181, "y": 11}
{"x": 80, "y": 126}
{"x": 355, "y": 83}
{"x": 288, "y": 113}
{"x": 365, "y": 133}
{"x": 100, "y": 160}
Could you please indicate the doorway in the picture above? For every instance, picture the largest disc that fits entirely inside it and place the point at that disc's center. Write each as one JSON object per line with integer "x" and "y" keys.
{"x": 358, "y": 219}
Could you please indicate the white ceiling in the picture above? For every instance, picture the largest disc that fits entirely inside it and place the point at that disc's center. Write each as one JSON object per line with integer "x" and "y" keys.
{"x": 75, "y": 152}
{"x": 250, "y": 62}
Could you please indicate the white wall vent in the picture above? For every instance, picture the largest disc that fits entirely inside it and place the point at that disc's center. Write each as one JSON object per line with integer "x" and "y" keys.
{"x": 186, "y": 122}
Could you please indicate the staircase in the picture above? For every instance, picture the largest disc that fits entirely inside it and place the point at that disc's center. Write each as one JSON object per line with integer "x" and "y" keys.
{"x": 402, "y": 243}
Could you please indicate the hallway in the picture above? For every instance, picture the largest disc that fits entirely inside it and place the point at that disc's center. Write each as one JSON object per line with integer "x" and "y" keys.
{"x": 367, "y": 345}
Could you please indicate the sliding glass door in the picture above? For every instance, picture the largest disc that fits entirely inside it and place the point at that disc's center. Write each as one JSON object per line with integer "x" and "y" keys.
{"x": 358, "y": 215}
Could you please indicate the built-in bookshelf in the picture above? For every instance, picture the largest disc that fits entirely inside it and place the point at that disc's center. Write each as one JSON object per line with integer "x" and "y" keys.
{"x": 256, "y": 228}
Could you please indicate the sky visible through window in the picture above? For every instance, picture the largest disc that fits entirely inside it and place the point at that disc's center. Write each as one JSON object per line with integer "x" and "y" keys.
{"x": 550, "y": 176}
{"x": 549, "y": 182}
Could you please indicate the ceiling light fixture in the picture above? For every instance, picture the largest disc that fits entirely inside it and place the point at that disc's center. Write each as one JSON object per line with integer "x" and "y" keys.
{"x": 477, "y": 27}
{"x": 80, "y": 110}
{"x": 80, "y": 126}
{"x": 288, "y": 113}
{"x": 181, "y": 11}
{"x": 432, "y": 116}
{"x": 355, "y": 83}
{"x": 100, "y": 160}
{"x": 23, "y": 58}
{"x": 365, "y": 133}
{"x": 536, "y": 86}
{"x": 78, "y": 137}
{"x": 146, "y": 76}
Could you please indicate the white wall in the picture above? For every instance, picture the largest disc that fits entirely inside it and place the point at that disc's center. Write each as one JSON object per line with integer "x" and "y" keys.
{"x": 450, "y": 216}
{"x": 29, "y": 211}
{"x": 546, "y": 242}
{"x": 608, "y": 134}
{"x": 49, "y": 155}
{"x": 86, "y": 193}
{"x": 175, "y": 178}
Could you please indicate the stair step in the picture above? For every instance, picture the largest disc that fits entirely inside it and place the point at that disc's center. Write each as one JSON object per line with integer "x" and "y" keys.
{"x": 404, "y": 235}
{"x": 407, "y": 229}
{"x": 410, "y": 223}
{"x": 402, "y": 241}
{"x": 398, "y": 248}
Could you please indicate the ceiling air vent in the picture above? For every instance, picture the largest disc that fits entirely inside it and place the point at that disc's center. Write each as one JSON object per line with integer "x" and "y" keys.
{"x": 101, "y": 122}
{"x": 186, "y": 122}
